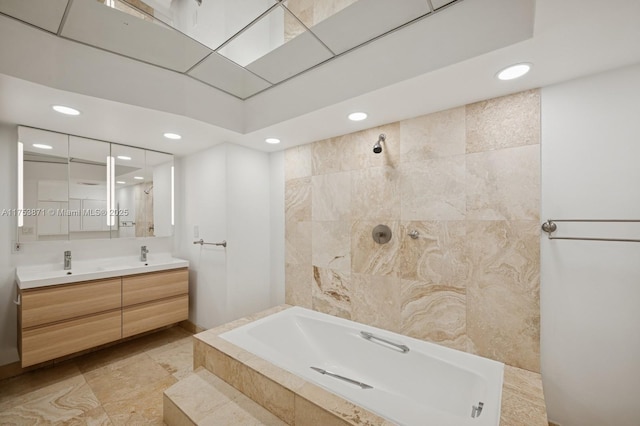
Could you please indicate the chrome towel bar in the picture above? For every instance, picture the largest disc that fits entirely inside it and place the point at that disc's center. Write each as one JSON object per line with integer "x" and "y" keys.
{"x": 369, "y": 336}
{"x": 550, "y": 227}
{"x": 202, "y": 243}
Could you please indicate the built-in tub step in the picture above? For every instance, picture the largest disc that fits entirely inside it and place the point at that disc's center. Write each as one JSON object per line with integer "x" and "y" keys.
{"x": 204, "y": 399}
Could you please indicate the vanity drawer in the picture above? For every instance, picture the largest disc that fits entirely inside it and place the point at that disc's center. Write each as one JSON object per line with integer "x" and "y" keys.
{"x": 58, "y": 303}
{"x": 64, "y": 338}
{"x": 153, "y": 286}
{"x": 152, "y": 315}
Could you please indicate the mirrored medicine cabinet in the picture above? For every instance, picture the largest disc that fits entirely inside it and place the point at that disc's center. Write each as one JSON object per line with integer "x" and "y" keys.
{"x": 72, "y": 188}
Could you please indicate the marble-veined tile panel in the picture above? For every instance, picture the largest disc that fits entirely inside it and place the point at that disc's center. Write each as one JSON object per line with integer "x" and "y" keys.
{"x": 142, "y": 406}
{"x": 374, "y": 194}
{"x": 117, "y": 381}
{"x": 504, "y": 184}
{"x": 369, "y": 257}
{"x": 434, "y": 312}
{"x": 297, "y": 162}
{"x": 308, "y": 413}
{"x": 503, "y": 291}
{"x": 331, "y": 196}
{"x": 242, "y": 411}
{"x": 437, "y": 256}
{"x": 523, "y": 399}
{"x": 54, "y": 403}
{"x": 17, "y": 390}
{"x": 508, "y": 121}
{"x": 297, "y": 237}
{"x": 298, "y": 282}
{"x": 177, "y": 360}
{"x": 297, "y": 200}
{"x": 334, "y": 155}
{"x": 364, "y": 140}
{"x": 331, "y": 245}
{"x": 375, "y": 300}
{"x": 441, "y": 134}
{"x": 332, "y": 292}
{"x": 433, "y": 189}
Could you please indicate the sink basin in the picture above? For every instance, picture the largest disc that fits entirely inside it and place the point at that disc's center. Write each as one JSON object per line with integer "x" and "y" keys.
{"x": 52, "y": 274}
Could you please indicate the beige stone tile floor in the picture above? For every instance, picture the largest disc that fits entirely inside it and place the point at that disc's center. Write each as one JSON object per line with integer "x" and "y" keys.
{"x": 118, "y": 385}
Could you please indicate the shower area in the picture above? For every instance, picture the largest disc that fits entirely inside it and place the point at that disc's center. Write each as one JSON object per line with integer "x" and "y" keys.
{"x": 137, "y": 202}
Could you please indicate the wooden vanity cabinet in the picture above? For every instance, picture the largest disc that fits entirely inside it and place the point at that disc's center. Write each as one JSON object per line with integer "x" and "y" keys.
{"x": 155, "y": 299}
{"x": 60, "y": 320}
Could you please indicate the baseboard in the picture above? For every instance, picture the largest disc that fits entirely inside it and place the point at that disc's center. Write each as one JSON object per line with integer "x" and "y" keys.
{"x": 191, "y": 327}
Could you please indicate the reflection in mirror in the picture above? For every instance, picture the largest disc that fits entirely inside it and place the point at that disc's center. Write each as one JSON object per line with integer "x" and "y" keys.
{"x": 45, "y": 185}
{"x": 88, "y": 188}
{"x": 160, "y": 169}
{"x": 133, "y": 193}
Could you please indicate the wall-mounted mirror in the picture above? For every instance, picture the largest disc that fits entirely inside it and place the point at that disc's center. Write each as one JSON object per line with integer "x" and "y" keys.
{"x": 88, "y": 188}
{"x": 79, "y": 188}
{"x": 45, "y": 180}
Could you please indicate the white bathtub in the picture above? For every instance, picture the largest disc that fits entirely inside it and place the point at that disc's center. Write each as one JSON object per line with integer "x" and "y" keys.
{"x": 426, "y": 385}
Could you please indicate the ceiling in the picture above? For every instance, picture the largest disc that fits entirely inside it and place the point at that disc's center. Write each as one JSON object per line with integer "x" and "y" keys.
{"x": 441, "y": 61}
{"x": 242, "y": 48}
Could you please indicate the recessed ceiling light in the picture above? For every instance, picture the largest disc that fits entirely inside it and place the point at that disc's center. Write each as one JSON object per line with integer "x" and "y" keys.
{"x": 272, "y": 140}
{"x": 173, "y": 136}
{"x": 357, "y": 116}
{"x": 66, "y": 110}
{"x": 138, "y": 178}
{"x": 124, "y": 157}
{"x": 514, "y": 71}
{"x": 42, "y": 146}
{"x": 121, "y": 182}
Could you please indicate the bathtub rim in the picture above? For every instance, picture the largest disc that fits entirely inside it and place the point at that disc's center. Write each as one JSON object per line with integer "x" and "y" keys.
{"x": 490, "y": 371}
{"x": 522, "y": 395}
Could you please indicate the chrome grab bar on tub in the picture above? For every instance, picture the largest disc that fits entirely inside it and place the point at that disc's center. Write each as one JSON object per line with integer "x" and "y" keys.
{"x": 202, "y": 243}
{"x": 346, "y": 379}
{"x": 370, "y": 336}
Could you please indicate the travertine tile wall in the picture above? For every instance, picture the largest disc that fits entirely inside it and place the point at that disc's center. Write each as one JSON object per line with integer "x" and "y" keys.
{"x": 468, "y": 180}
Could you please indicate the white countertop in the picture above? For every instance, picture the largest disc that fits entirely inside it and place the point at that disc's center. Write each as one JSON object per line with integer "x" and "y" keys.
{"x": 53, "y": 274}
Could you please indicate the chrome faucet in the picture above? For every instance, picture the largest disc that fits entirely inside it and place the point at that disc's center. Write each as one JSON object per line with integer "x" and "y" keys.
{"x": 67, "y": 260}
{"x": 143, "y": 253}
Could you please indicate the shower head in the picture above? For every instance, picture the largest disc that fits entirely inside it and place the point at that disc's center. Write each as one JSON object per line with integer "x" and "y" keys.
{"x": 377, "y": 148}
{"x": 148, "y": 190}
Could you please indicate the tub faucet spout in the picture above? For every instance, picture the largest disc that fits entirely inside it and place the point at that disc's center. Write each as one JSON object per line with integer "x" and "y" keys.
{"x": 143, "y": 253}
{"x": 67, "y": 260}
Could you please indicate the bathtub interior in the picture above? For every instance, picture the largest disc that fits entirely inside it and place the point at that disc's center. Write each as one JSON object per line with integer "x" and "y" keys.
{"x": 427, "y": 382}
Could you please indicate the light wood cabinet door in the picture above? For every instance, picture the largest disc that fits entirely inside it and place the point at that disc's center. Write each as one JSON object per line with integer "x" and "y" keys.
{"x": 58, "y": 303}
{"x": 143, "y": 288}
{"x": 148, "y": 316}
{"x": 53, "y": 341}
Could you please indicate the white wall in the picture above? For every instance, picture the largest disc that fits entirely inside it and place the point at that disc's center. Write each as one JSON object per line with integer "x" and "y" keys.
{"x": 226, "y": 193}
{"x": 42, "y": 251}
{"x": 590, "y": 291}
{"x": 201, "y": 203}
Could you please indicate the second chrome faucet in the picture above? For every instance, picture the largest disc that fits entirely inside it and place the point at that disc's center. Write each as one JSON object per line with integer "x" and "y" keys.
{"x": 67, "y": 260}
{"x": 143, "y": 253}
